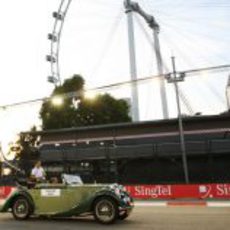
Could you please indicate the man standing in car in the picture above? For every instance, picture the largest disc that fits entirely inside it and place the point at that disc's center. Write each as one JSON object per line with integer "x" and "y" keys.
{"x": 38, "y": 173}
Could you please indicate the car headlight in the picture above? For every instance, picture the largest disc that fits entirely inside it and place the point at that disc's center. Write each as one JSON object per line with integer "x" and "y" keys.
{"x": 122, "y": 188}
{"x": 127, "y": 199}
{"x": 117, "y": 191}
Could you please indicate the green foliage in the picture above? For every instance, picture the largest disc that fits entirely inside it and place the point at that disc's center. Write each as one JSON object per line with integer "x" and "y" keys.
{"x": 103, "y": 109}
{"x": 74, "y": 84}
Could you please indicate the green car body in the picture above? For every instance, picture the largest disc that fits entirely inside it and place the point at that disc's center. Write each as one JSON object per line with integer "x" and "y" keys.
{"x": 111, "y": 202}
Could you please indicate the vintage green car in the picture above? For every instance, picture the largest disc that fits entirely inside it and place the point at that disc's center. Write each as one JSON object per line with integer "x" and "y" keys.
{"x": 106, "y": 203}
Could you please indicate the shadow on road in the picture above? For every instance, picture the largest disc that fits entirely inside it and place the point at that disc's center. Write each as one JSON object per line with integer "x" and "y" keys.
{"x": 46, "y": 223}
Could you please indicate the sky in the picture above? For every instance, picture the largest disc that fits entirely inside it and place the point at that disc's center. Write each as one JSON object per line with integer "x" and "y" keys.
{"x": 94, "y": 44}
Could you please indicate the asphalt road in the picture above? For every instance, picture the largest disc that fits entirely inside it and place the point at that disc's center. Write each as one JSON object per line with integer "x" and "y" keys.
{"x": 143, "y": 218}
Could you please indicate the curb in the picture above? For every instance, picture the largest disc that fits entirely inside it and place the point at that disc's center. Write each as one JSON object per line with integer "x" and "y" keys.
{"x": 182, "y": 203}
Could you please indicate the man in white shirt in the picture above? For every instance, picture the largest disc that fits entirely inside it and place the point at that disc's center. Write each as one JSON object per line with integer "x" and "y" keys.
{"x": 38, "y": 173}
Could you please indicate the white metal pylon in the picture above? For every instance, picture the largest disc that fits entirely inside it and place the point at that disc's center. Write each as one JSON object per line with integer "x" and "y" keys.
{"x": 134, "y": 7}
{"x": 133, "y": 66}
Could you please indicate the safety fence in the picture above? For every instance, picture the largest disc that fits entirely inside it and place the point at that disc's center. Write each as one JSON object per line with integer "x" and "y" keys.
{"x": 195, "y": 191}
{"x": 165, "y": 192}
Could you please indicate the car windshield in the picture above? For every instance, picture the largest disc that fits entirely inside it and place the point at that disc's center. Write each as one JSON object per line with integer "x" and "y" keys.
{"x": 71, "y": 179}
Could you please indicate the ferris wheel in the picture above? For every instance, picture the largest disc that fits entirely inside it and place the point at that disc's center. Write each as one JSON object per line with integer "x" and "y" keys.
{"x": 133, "y": 8}
{"x": 55, "y": 38}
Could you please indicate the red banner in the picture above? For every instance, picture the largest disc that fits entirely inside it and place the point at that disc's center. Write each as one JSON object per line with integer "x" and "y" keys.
{"x": 197, "y": 191}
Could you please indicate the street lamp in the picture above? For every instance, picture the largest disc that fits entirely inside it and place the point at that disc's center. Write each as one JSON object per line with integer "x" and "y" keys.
{"x": 175, "y": 78}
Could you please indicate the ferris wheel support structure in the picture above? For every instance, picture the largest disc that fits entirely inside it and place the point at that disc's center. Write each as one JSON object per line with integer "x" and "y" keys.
{"x": 135, "y": 7}
{"x": 55, "y": 38}
{"x": 133, "y": 65}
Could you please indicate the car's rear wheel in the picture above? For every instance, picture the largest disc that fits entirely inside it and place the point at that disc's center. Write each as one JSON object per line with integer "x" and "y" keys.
{"x": 21, "y": 208}
{"x": 105, "y": 210}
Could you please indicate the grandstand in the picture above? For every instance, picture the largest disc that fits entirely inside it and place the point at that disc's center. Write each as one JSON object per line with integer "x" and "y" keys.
{"x": 141, "y": 152}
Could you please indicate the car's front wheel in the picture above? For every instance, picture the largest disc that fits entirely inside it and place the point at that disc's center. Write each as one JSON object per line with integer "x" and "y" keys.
{"x": 21, "y": 208}
{"x": 105, "y": 210}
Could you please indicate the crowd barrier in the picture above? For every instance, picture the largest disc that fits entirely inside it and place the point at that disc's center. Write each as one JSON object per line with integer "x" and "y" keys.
{"x": 194, "y": 191}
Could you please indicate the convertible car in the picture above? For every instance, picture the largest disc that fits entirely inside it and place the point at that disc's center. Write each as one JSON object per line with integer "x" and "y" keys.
{"x": 107, "y": 203}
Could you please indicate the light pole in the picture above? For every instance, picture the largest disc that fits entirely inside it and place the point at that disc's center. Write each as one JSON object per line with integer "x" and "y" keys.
{"x": 174, "y": 78}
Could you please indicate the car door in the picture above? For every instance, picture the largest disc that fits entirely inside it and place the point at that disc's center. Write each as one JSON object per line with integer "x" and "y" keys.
{"x": 55, "y": 199}
{"x": 50, "y": 199}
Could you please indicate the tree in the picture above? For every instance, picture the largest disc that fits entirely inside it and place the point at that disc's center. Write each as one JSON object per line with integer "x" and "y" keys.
{"x": 55, "y": 117}
{"x": 103, "y": 109}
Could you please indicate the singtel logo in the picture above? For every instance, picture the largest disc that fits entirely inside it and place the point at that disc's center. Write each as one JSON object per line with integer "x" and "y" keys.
{"x": 223, "y": 189}
{"x": 154, "y": 192}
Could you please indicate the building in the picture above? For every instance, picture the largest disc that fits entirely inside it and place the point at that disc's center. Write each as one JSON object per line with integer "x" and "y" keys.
{"x": 142, "y": 152}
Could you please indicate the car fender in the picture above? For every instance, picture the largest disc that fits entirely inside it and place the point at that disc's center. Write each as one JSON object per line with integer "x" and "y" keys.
{"x": 14, "y": 196}
{"x": 105, "y": 193}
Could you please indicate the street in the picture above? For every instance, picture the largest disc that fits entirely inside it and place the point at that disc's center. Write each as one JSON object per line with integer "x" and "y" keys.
{"x": 154, "y": 218}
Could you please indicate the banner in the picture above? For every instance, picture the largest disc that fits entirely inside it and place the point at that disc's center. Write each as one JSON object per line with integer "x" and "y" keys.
{"x": 197, "y": 191}
{"x": 194, "y": 191}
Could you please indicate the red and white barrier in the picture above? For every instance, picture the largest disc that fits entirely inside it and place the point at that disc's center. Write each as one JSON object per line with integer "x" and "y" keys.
{"x": 195, "y": 191}
{"x": 171, "y": 193}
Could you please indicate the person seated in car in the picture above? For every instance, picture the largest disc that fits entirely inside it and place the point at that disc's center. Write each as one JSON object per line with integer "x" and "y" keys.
{"x": 38, "y": 173}
{"x": 54, "y": 180}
